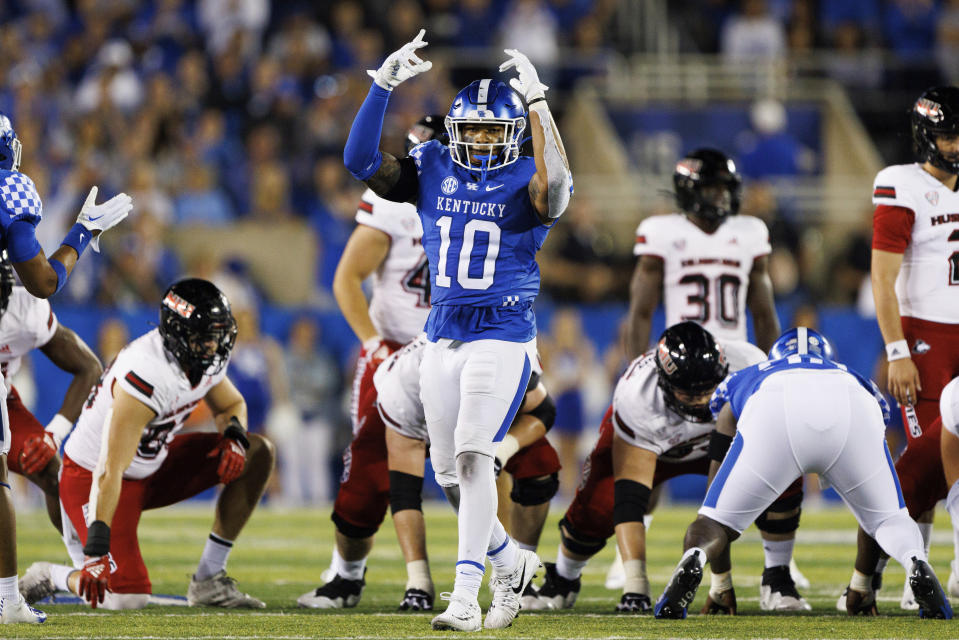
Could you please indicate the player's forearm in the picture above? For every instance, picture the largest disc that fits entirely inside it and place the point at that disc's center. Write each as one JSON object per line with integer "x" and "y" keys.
{"x": 361, "y": 155}
{"x": 77, "y": 393}
{"x": 766, "y": 325}
{"x": 348, "y": 291}
{"x": 552, "y": 167}
{"x": 887, "y": 311}
{"x": 235, "y": 410}
{"x": 527, "y": 429}
{"x": 639, "y": 325}
{"x": 109, "y": 485}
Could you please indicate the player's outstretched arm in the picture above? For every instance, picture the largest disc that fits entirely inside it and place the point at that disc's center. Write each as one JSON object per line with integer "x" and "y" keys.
{"x": 552, "y": 185}
{"x": 759, "y": 299}
{"x": 229, "y": 413}
{"x": 361, "y": 155}
{"x": 643, "y": 299}
{"x": 43, "y": 277}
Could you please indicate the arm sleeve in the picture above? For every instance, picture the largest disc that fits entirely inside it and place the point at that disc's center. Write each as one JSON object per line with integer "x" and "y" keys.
{"x": 22, "y": 242}
{"x": 361, "y": 155}
{"x": 892, "y": 228}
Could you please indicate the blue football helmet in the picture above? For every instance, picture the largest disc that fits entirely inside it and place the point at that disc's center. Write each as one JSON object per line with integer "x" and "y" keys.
{"x": 486, "y": 102}
{"x": 802, "y": 341}
{"x": 9, "y": 145}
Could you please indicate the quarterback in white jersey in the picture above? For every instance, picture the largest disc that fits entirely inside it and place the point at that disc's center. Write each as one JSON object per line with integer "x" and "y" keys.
{"x": 708, "y": 261}
{"x": 125, "y": 457}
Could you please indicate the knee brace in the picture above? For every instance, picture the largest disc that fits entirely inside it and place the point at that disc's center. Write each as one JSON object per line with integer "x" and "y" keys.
{"x": 577, "y": 543}
{"x": 534, "y": 379}
{"x": 785, "y": 512}
{"x": 349, "y": 529}
{"x": 530, "y": 492}
{"x": 406, "y": 492}
{"x": 631, "y": 501}
{"x": 545, "y": 412}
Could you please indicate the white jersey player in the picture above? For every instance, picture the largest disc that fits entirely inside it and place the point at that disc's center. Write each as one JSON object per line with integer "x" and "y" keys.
{"x": 709, "y": 262}
{"x": 125, "y": 456}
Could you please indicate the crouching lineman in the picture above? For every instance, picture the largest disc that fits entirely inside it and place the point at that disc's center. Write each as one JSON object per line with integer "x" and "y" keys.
{"x": 125, "y": 457}
{"x": 801, "y": 412}
{"x": 525, "y": 454}
{"x": 657, "y": 428}
{"x": 28, "y": 323}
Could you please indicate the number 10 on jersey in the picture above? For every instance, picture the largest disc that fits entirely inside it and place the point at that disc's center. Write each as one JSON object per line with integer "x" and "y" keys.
{"x": 463, "y": 259}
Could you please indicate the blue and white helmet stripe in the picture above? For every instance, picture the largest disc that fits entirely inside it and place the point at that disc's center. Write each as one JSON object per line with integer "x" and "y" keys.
{"x": 801, "y": 341}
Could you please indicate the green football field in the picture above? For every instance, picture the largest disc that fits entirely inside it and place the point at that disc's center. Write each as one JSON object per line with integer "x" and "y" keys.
{"x": 282, "y": 553}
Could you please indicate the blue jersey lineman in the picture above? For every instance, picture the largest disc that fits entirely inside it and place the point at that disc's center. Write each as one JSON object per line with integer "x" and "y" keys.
{"x": 801, "y": 412}
{"x": 485, "y": 211}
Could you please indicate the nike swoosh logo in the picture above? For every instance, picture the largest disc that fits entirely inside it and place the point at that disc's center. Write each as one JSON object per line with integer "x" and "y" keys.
{"x": 92, "y": 219}
{"x": 492, "y": 188}
{"x": 522, "y": 576}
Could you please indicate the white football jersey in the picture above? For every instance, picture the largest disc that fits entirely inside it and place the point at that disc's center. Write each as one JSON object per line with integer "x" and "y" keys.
{"x": 400, "y": 300}
{"x": 705, "y": 275}
{"x": 27, "y": 324}
{"x": 928, "y": 283}
{"x": 949, "y": 407}
{"x": 397, "y": 382}
{"x": 145, "y": 371}
{"x": 641, "y": 417}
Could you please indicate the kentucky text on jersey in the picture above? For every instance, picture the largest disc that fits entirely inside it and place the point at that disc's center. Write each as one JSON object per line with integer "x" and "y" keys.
{"x": 455, "y": 205}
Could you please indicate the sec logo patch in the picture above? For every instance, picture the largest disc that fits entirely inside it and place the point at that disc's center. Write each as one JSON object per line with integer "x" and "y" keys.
{"x": 450, "y": 185}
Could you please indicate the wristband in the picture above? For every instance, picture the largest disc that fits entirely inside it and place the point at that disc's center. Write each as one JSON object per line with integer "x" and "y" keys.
{"x": 98, "y": 539}
{"x": 78, "y": 238}
{"x": 59, "y": 427}
{"x": 235, "y": 431}
{"x": 897, "y": 350}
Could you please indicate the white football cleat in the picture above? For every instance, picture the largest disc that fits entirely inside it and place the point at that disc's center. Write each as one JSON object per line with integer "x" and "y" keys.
{"x": 37, "y": 584}
{"x": 953, "y": 585}
{"x": 219, "y": 590}
{"x": 12, "y": 611}
{"x": 801, "y": 581}
{"x": 462, "y": 614}
{"x": 508, "y": 589}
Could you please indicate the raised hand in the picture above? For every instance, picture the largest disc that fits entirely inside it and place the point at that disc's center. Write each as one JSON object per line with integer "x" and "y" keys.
{"x": 402, "y": 64}
{"x": 527, "y": 82}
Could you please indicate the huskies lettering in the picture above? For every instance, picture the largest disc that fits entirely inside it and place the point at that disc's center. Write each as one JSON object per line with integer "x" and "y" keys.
{"x": 944, "y": 218}
{"x": 469, "y": 207}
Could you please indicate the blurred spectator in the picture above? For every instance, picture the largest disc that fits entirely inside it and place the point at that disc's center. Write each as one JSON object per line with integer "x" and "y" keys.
{"x": 529, "y": 25}
{"x": 257, "y": 369}
{"x": 305, "y": 440}
{"x": 113, "y": 82}
{"x": 568, "y": 358}
{"x": 769, "y": 149}
{"x": 141, "y": 265}
{"x": 111, "y": 337}
{"x": 202, "y": 201}
{"x": 852, "y": 61}
{"x": 909, "y": 27}
{"x": 752, "y": 34}
{"x": 228, "y": 21}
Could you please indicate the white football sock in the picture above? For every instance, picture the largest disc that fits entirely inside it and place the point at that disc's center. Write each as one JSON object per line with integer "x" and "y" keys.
{"x": 502, "y": 550}
{"x": 477, "y": 519}
{"x": 213, "y": 560}
{"x": 568, "y": 568}
{"x": 60, "y": 574}
{"x": 778, "y": 552}
{"x": 10, "y": 587}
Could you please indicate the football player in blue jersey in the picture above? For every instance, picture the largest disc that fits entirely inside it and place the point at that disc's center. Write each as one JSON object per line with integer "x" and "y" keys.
{"x": 20, "y": 212}
{"x": 775, "y": 433}
{"x": 485, "y": 211}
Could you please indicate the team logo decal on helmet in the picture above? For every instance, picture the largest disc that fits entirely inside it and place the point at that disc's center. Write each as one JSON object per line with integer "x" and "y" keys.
{"x": 180, "y": 306}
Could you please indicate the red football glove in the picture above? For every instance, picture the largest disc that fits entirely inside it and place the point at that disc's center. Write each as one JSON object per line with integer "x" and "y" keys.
{"x": 93, "y": 579}
{"x": 37, "y": 452}
{"x": 232, "y": 459}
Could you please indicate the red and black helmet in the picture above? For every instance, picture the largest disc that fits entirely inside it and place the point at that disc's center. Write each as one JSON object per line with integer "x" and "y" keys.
{"x": 705, "y": 168}
{"x": 689, "y": 360}
{"x": 935, "y": 113}
{"x": 197, "y": 327}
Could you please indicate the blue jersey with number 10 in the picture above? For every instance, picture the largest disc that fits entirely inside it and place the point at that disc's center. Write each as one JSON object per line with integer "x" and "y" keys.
{"x": 481, "y": 240}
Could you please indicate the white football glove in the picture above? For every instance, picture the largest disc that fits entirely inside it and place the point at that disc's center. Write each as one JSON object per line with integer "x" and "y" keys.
{"x": 402, "y": 64}
{"x": 527, "y": 84}
{"x": 100, "y": 217}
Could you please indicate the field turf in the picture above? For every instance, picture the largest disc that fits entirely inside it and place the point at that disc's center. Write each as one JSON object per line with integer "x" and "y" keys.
{"x": 282, "y": 553}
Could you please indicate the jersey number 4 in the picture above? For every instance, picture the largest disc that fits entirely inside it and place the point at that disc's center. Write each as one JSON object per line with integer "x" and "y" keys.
{"x": 725, "y": 304}
{"x": 417, "y": 282}
{"x": 954, "y": 260}
{"x": 463, "y": 260}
